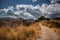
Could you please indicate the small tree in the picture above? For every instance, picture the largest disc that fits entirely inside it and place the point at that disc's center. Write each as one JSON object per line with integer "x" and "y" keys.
{"x": 47, "y": 19}
{"x": 41, "y": 18}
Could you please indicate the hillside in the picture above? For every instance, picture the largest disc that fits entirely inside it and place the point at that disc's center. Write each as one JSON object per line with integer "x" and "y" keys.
{"x": 50, "y": 30}
{"x": 5, "y": 22}
{"x": 51, "y": 23}
{"x": 20, "y": 29}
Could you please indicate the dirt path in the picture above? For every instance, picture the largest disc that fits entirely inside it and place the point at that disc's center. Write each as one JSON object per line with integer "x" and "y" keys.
{"x": 48, "y": 34}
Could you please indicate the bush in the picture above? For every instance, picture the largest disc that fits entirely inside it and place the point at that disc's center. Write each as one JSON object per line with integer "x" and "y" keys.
{"x": 41, "y": 18}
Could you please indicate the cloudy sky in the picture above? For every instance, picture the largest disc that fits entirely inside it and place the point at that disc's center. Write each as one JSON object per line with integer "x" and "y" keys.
{"x": 29, "y": 9}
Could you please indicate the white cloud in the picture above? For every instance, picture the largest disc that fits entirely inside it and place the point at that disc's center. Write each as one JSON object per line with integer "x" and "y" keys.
{"x": 34, "y": 1}
{"x": 9, "y": 8}
{"x": 54, "y": 1}
{"x": 27, "y": 11}
{"x": 7, "y": 12}
{"x": 43, "y": 8}
{"x": 50, "y": 10}
{"x": 18, "y": 7}
{"x": 32, "y": 12}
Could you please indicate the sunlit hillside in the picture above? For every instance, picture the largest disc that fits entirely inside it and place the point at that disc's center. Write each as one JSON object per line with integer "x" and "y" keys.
{"x": 19, "y": 29}
{"x": 13, "y": 30}
{"x": 51, "y": 23}
{"x": 50, "y": 30}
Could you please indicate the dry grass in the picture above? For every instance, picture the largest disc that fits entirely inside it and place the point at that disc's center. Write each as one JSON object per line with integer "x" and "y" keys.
{"x": 20, "y": 33}
{"x": 51, "y": 23}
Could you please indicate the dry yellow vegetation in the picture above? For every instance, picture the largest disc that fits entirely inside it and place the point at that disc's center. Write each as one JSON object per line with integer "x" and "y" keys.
{"x": 50, "y": 29}
{"x": 51, "y": 23}
{"x": 20, "y": 32}
{"x": 14, "y": 30}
